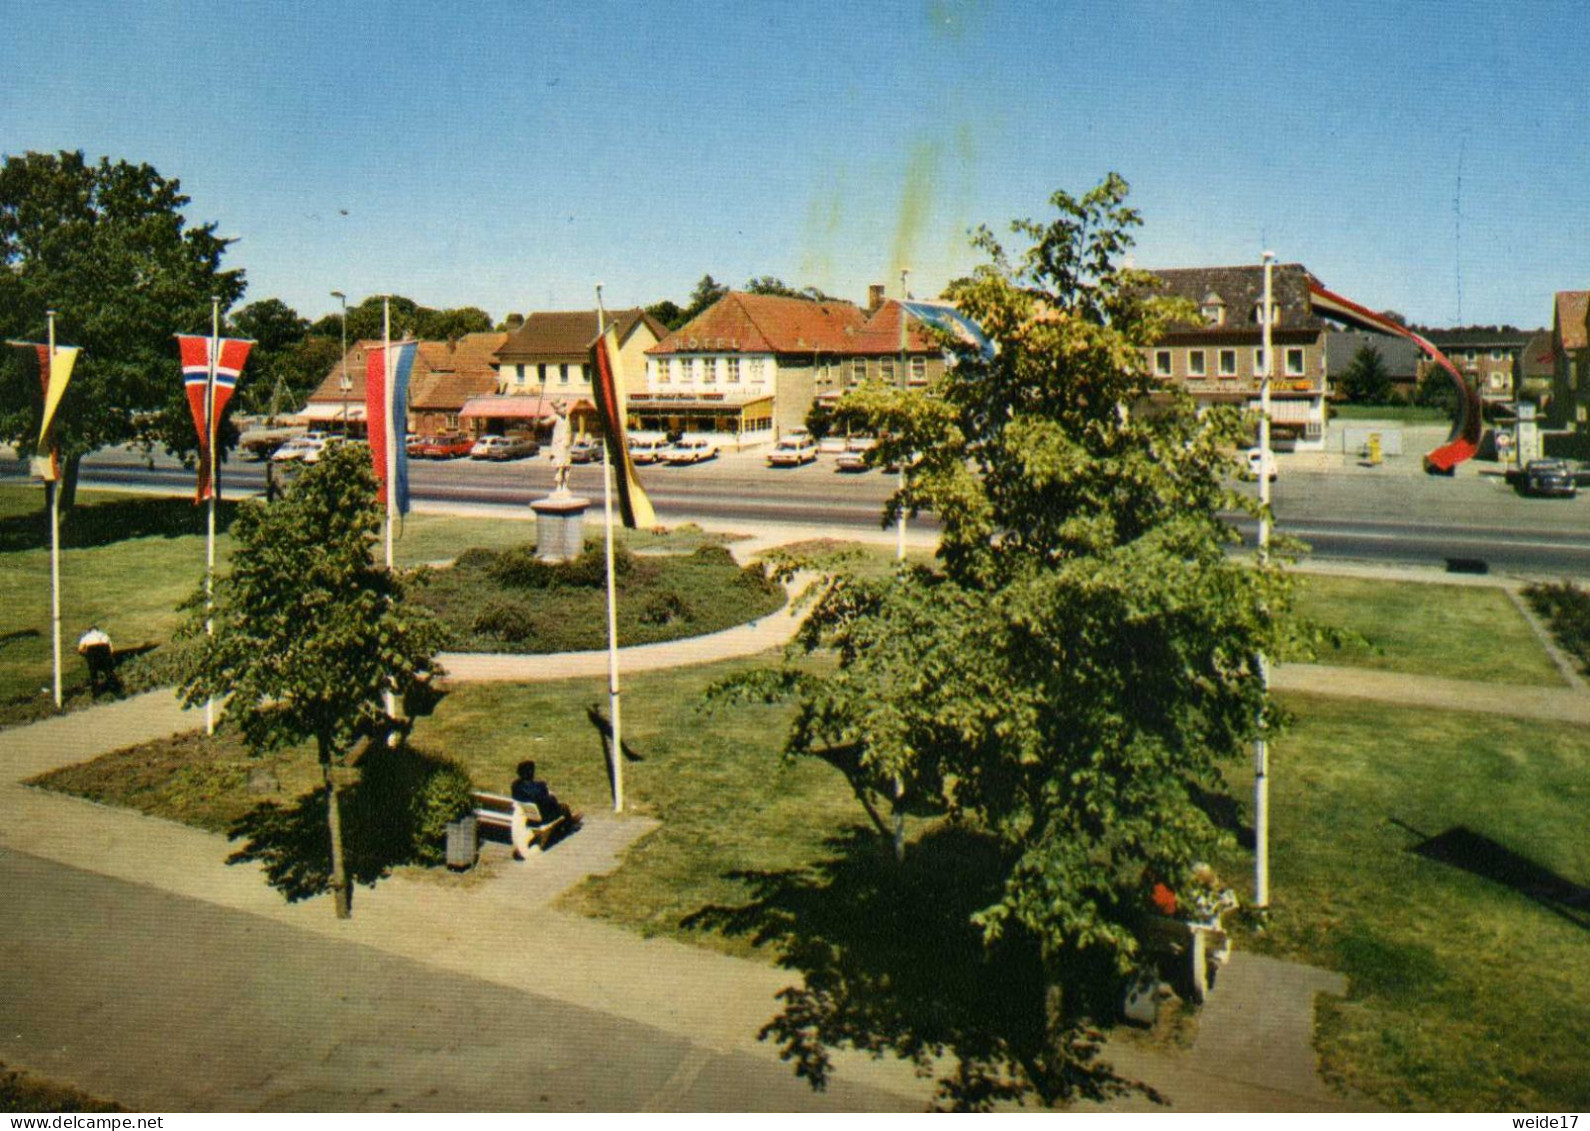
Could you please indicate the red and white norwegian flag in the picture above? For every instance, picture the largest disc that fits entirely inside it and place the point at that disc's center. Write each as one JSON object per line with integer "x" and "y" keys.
{"x": 196, "y": 378}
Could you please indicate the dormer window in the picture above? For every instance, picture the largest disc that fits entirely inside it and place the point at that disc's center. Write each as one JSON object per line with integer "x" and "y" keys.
{"x": 1213, "y": 309}
{"x": 1258, "y": 313}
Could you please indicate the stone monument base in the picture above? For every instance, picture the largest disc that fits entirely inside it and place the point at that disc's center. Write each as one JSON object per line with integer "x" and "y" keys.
{"x": 560, "y": 526}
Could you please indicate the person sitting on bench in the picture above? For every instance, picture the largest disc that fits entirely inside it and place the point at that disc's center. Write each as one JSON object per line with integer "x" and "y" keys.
{"x": 528, "y": 791}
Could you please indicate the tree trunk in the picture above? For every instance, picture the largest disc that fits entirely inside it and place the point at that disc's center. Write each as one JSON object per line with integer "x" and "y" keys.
{"x": 899, "y": 820}
{"x": 68, "y": 484}
{"x": 339, "y": 874}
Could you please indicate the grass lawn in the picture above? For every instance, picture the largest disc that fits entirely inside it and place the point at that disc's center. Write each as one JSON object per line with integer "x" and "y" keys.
{"x": 129, "y": 560}
{"x": 1440, "y": 861}
{"x": 1436, "y": 858}
{"x": 1454, "y": 631}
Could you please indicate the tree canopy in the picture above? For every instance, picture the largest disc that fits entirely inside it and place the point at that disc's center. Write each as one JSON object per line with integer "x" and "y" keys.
{"x": 106, "y": 246}
{"x": 310, "y": 634}
{"x": 1366, "y": 379}
{"x": 409, "y": 319}
{"x": 1067, "y": 677}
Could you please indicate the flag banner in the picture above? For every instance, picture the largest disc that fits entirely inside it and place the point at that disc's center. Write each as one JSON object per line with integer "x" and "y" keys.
{"x": 612, "y": 405}
{"x": 943, "y": 316}
{"x": 53, "y": 377}
{"x": 196, "y": 379}
{"x": 1464, "y": 441}
{"x": 379, "y": 407}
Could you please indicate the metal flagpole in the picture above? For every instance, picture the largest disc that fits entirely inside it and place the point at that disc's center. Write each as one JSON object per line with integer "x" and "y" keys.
{"x": 52, "y": 489}
{"x": 1261, "y": 744}
{"x": 616, "y": 750}
{"x": 209, "y": 537}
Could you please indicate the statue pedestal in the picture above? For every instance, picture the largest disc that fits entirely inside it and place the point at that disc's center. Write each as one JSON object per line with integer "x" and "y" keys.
{"x": 560, "y": 526}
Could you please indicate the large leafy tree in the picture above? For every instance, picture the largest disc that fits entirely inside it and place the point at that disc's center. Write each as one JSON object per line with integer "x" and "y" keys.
{"x": 310, "y": 635}
{"x": 409, "y": 319}
{"x": 287, "y": 362}
{"x": 1066, "y": 679}
{"x": 108, "y": 248}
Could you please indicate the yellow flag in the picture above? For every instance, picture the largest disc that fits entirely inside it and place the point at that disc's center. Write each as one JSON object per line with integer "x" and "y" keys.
{"x": 54, "y": 372}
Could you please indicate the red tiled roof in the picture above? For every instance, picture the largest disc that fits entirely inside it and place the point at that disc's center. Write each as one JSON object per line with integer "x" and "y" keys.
{"x": 1573, "y": 311}
{"x": 445, "y": 373}
{"x": 749, "y": 323}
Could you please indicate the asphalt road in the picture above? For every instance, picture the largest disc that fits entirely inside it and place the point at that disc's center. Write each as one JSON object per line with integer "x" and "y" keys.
{"x": 1379, "y": 515}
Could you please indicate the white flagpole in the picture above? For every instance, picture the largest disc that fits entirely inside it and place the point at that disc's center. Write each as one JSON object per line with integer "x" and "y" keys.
{"x": 209, "y": 439}
{"x": 1261, "y": 744}
{"x": 52, "y": 488}
{"x": 616, "y": 750}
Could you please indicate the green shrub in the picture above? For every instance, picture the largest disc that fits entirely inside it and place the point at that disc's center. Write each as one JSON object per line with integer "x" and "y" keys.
{"x": 666, "y": 608}
{"x": 1566, "y": 608}
{"x": 505, "y": 619}
{"x": 712, "y": 555}
{"x": 441, "y": 798}
{"x": 521, "y": 569}
{"x": 476, "y": 557}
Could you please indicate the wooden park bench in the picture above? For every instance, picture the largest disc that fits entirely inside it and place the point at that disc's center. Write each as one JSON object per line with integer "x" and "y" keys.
{"x": 498, "y": 811}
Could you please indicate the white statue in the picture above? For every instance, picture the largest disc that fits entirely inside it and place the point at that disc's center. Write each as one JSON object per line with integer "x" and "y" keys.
{"x": 562, "y": 441}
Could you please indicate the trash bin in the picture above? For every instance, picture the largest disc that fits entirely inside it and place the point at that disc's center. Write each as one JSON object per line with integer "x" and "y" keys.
{"x": 463, "y": 843}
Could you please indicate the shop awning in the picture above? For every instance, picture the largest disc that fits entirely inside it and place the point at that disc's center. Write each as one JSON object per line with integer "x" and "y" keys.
{"x": 509, "y": 407}
{"x": 1289, "y": 411}
{"x": 710, "y": 402}
{"x": 330, "y": 410}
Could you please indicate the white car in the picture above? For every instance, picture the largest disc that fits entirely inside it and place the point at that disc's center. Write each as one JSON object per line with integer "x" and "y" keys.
{"x": 647, "y": 449}
{"x": 792, "y": 451}
{"x": 302, "y": 449}
{"x": 689, "y": 451}
{"x": 1257, "y": 458}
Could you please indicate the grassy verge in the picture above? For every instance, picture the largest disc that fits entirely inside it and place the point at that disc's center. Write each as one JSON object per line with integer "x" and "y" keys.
{"x": 1438, "y": 859}
{"x": 1454, "y": 631}
{"x": 1566, "y": 609}
{"x": 1397, "y": 413}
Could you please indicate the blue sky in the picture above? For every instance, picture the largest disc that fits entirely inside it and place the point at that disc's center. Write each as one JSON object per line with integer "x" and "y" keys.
{"x": 1423, "y": 156}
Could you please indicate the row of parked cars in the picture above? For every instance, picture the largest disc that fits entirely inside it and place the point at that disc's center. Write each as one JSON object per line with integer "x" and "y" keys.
{"x": 686, "y": 450}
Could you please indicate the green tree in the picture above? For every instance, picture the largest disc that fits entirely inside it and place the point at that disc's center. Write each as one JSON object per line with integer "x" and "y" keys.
{"x": 309, "y": 633}
{"x": 1437, "y": 390}
{"x": 1066, "y": 679}
{"x": 108, "y": 248}
{"x": 772, "y": 285}
{"x": 1366, "y": 380}
{"x": 449, "y": 325}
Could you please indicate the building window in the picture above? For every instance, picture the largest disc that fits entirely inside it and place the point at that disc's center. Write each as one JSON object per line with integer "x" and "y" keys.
{"x": 518, "y": 374}
{"x": 919, "y": 371}
{"x": 733, "y": 365}
{"x": 758, "y": 372}
{"x": 709, "y": 371}
{"x": 1195, "y": 363}
{"x": 886, "y": 370}
{"x": 1294, "y": 362}
{"x": 563, "y": 374}
{"x": 541, "y": 374}
{"x": 1468, "y": 355}
{"x": 1498, "y": 355}
{"x": 1258, "y": 363}
{"x": 1227, "y": 362}
{"x": 858, "y": 371}
{"x": 1258, "y": 313}
{"x": 662, "y": 371}
{"x": 1162, "y": 363}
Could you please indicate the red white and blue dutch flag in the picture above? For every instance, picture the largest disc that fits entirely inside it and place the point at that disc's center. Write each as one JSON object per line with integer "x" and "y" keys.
{"x": 207, "y": 409}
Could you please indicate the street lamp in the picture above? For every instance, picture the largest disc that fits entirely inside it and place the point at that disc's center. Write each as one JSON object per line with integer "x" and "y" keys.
{"x": 346, "y": 384}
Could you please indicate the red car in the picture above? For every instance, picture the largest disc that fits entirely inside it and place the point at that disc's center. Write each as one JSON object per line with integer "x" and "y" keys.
{"x": 452, "y": 445}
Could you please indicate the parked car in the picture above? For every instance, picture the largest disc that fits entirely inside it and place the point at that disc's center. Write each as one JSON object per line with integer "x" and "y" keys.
{"x": 585, "y": 451}
{"x": 1550, "y": 477}
{"x": 792, "y": 451}
{"x": 645, "y": 448}
{"x": 687, "y": 450}
{"x": 448, "y": 445}
{"x": 1256, "y": 458}
{"x": 850, "y": 461}
{"x": 860, "y": 443}
{"x": 503, "y": 447}
{"x": 299, "y": 450}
